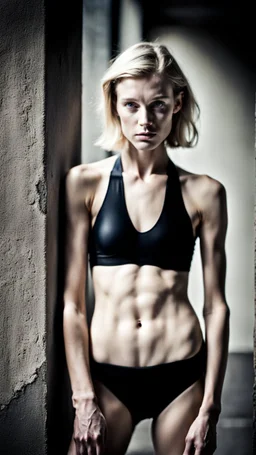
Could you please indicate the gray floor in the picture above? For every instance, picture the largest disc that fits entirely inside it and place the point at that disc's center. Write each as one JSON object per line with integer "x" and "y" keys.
{"x": 235, "y": 424}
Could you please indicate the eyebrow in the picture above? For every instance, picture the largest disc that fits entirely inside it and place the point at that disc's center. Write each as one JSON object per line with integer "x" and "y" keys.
{"x": 160, "y": 96}
{"x": 155, "y": 98}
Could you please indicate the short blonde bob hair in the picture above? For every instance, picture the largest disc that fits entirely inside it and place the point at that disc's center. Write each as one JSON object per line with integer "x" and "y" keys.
{"x": 142, "y": 60}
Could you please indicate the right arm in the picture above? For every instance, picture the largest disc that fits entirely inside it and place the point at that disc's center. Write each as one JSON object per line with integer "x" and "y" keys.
{"x": 89, "y": 422}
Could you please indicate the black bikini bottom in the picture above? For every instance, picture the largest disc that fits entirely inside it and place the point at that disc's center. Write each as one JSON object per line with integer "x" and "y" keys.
{"x": 146, "y": 391}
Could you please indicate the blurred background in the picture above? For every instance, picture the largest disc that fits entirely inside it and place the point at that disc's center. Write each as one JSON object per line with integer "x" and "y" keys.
{"x": 213, "y": 43}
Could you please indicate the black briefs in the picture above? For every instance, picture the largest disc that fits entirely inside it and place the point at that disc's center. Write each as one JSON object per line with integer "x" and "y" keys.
{"x": 146, "y": 391}
{"x": 113, "y": 239}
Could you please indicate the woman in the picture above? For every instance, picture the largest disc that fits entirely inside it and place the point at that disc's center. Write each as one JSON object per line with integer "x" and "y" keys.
{"x": 138, "y": 216}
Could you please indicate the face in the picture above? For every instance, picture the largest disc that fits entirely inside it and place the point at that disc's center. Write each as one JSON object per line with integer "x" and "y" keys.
{"x": 145, "y": 107}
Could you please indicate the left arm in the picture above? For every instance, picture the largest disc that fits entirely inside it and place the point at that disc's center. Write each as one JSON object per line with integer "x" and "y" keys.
{"x": 216, "y": 310}
{"x": 202, "y": 433}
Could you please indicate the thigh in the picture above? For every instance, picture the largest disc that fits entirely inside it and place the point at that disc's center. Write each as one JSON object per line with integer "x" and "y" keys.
{"x": 119, "y": 422}
{"x": 170, "y": 428}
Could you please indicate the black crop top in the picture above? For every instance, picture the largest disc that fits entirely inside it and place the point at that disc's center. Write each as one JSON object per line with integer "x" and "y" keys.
{"x": 169, "y": 244}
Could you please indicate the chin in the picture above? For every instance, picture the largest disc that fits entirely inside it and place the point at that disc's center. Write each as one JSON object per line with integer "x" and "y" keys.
{"x": 141, "y": 146}
{"x": 147, "y": 148}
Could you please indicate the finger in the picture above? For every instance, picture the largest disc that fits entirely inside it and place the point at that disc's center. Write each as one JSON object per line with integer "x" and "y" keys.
{"x": 91, "y": 449}
{"x": 100, "y": 449}
{"x": 188, "y": 448}
{"x": 199, "y": 449}
{"x": 207, "y": 432}
{"x": 80, "y": 447}
{"x": 100, "y": 446}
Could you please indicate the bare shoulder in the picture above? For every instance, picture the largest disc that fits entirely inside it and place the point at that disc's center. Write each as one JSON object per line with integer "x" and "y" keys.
{"x": 203, "y": 189}
{"x": 83, "y": 179}
{"x": 89, "y": 173}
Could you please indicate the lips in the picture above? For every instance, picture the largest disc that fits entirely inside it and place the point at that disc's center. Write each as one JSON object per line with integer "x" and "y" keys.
{"x": 145, "y": 135}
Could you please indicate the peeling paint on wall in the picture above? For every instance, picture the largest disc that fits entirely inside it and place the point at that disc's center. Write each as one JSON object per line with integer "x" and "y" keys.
{"x": 42, "y": 195}
{"x": 20, "y": 388}
{"x": 23, "y": 420}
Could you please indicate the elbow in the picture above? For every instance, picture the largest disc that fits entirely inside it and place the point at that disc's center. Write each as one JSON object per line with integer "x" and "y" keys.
{"x": 70, "y": 312}
{"x": 73, "y": 316}
{"x": 220, "y": 307}
{"x": 72, "y": 301}
{"x": 72, "y": 308}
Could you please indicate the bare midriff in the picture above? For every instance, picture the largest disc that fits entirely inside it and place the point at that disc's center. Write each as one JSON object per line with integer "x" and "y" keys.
{"x": 142, "y": 316}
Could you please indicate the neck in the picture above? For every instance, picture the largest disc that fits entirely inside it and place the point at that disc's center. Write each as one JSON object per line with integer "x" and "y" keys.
{"x": 143, "y": 163}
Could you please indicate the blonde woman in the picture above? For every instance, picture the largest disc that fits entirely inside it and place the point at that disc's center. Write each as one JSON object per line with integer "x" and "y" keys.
{"x": 137, "y": 216}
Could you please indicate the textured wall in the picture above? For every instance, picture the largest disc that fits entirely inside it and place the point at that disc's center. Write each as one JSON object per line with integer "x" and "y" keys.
{"x": 40, "y": 111}
{"x": 22, "y": 229}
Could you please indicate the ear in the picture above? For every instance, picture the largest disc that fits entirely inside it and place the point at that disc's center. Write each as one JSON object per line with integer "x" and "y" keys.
{"x": 178, "y": 102}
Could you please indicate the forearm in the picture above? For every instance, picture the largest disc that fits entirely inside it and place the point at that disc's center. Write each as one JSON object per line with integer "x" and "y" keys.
{"x": 76, "y": 340}
{"x": 217, "y": 339}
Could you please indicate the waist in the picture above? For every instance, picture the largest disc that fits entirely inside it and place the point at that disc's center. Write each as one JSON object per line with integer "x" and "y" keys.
{"x": 198, "y": 357}
{"x": 141, "y": 340}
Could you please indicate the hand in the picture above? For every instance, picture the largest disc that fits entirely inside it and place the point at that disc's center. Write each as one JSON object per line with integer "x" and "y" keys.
{"x": 201, "y": 437}
{"x": 90, "y": 431}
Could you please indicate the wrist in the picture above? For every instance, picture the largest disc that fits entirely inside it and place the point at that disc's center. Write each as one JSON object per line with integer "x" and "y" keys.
{"x": 80, "y": 399}
{"x": 212, "y": 411}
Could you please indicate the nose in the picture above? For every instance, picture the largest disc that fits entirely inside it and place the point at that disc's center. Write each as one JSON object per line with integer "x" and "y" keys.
{"x": 144, "y": 119}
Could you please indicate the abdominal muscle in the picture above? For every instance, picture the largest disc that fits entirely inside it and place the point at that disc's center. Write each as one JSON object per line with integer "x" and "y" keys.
{"x": 142, "y": 316}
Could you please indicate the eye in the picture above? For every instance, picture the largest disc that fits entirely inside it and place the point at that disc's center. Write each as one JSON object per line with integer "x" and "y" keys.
{"x": 130, "y": 105}
{"x": 158, "y": 104}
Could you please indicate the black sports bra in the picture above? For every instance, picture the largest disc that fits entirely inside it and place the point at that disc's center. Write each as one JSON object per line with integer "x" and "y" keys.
{"x": 169, "y": 244}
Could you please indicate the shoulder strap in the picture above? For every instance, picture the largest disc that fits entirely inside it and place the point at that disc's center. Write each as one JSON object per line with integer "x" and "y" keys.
{"x": 117, "y": 168}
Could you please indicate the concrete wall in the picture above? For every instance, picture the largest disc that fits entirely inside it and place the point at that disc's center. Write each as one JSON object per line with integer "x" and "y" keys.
{"x": 40, "y": 99}
{"x": 23, "y": 229}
